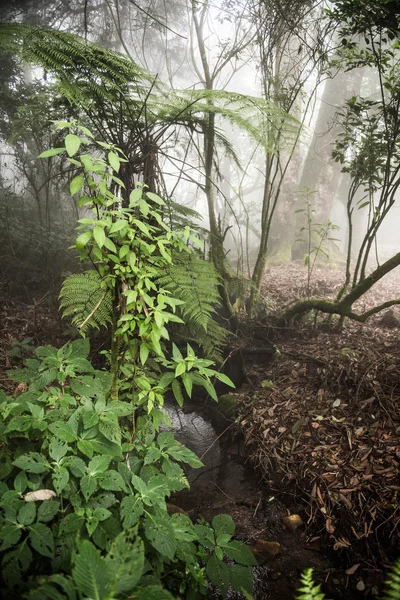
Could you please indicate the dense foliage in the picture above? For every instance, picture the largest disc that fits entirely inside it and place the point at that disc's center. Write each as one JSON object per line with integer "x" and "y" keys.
{"x": 85, "y": 469}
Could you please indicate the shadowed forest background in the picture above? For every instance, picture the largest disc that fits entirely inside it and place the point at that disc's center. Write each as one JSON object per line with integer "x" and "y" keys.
{"x": 194, "y": 196}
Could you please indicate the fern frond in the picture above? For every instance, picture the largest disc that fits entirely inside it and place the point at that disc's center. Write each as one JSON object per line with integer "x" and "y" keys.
{"x": 265, "y": 123}
{"x": 83, "y": 299}
{"x": 84, "y": 71}
{"x": 308, "y": 589}
{"x": 392, "y": 583}
{"x": 195, "y": 281}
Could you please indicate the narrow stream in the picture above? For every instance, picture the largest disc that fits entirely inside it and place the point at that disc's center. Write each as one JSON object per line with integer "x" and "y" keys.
{"x": 227, "y": 484}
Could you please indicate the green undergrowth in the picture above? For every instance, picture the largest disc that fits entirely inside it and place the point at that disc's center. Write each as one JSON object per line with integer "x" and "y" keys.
{"x": 86, "y": 465}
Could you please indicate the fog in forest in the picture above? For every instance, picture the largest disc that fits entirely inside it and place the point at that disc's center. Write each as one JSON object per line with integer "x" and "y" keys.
{"x": 276, "y": 192}
{"x": 199, "y": 299}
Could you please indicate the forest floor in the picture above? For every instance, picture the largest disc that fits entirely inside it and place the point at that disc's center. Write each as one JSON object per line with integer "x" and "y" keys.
{"x": 321, "y": 422}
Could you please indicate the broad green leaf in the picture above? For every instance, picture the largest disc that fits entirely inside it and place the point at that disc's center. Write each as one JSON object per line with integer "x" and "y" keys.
{"x": 176, "y": 388}
{"x": 90, "y": 419}
{"x": 155, "y": 198}
{"x": 180, "y": 368}
{"x": 161, "y": 536}
{"x": 134, "y": 197}
{"x": 88, "y": 486}
{"x": 113, "y": 159}
{"x": 99, "y": 235}
{"x": 76, "y": 184}
{"x": 225, "y": 379}
{"x": 166, "y": 380}
{"x": 205, "y": 536}
{"x": 90, "y": 573}
{"x": 60, "y": 479}
{"x": 101, "y": 514}
{"x": 83, "y": 239}
{"x": 127, "y": 563}
{"x": 27, "y": 513}
{"x": 183, "y": 454}
{"x": 241, "y": 579}
{"x": 42, "y": 540}
{"x": 51, "y": 152}
{"x": 109, "y": 244}
{"x": 72, "y": 144}
{"x": 223, "y": 524}
{"x": 239, "y": 552}
{"x": 33, "y": 462}
{"x": 48, "y": 510}
{"x": 109, "y": 427}
{"x": 86, "y": 447}
{"x": 188, "y": 383}
{"x": 117, "y": 226}
{"x": 10, "y": 536}
{"x": 98, "y": 465}
{"x": 219, "y": 575}
{"x": 63, "y": 431}
{"x": 58, "y": 450}
{"x": 20, "y": 482}
{"x": 113, "y": 482}
{"x": 131, "y": 511}
{"x": 144, "y": 353}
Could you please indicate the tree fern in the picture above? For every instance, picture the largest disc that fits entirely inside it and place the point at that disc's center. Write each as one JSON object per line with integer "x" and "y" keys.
{"x": 392, "y": 583}
{"x": 83, "y": 299}
{"x": 308, "y": 589}
{"x": 195, "y": 281}
{"x": 87, "y": 75}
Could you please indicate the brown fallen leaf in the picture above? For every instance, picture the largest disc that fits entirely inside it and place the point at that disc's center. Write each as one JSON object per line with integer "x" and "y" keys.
{"x": 352, "y": 569}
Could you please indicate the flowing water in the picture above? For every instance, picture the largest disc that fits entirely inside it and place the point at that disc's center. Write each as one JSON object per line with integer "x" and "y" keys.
{"x": 227, "y": 484}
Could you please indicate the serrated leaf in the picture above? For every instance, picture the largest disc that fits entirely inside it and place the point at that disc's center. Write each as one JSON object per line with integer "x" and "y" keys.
{"x": 109, "y": 427}
{"x": 90, "y": 573}
{"x": 58, "y": 450}
{"x": 223, "y": 524}
{"x": 239, "y": 552}
{"x": 42, "y": 540}
{"x": 27, "y": 513}
{"x": 10, "y": 536}
{"x": 183, "y": 454}
{"x": 161, "y": 536}
{"x": 33, "y": 462}
{"x": 60, "y": 479}
{"x": 48, "y": 510}
{"x": 98, "y": 465}
{"x": 113, "y": 482}
{"x": 131, "y": 511}
{"x": 88, "y": 486}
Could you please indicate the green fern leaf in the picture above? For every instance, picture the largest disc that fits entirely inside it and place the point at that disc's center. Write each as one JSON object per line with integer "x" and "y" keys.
{"x": 308, "y": 589}
{"x": 392, "y": 583}
{"x": 195, "y": 281}
{"x": 84, "y": 300}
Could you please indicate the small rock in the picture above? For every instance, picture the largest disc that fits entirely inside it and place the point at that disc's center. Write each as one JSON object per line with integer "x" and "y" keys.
{"x": 292, "y": 522}
{"x": 172, "y": 509}
{"x": 390, "y": 319}
{"x": 360, "y": 586}
{"x": 266, "y": 551}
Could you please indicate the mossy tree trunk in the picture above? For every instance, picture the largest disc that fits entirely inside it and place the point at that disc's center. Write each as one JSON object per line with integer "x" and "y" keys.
{"x": 344, "y": 307}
